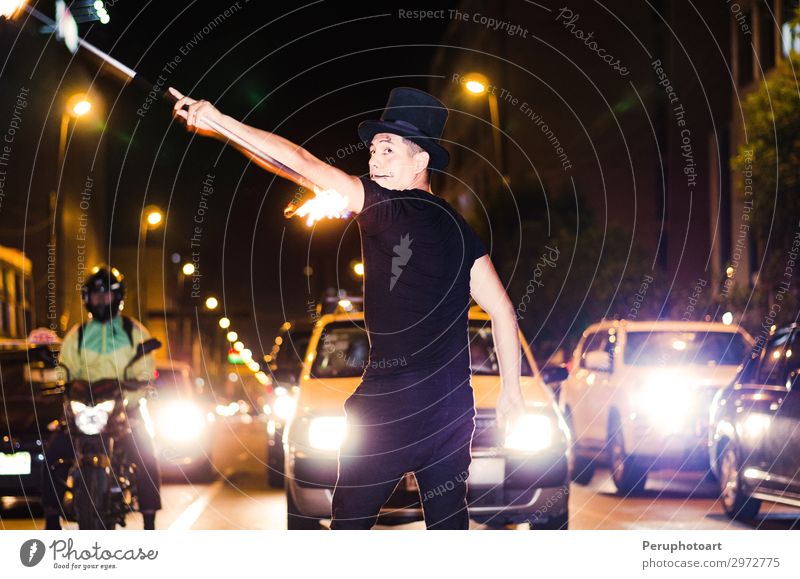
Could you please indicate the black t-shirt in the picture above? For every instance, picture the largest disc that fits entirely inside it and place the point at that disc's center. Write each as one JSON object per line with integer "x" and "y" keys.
{"x": 417, "y": 252}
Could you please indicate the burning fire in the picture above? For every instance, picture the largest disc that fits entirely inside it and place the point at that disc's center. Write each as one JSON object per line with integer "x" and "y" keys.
{"x": 327, "y": 204}
{"x": 8, "y": 8}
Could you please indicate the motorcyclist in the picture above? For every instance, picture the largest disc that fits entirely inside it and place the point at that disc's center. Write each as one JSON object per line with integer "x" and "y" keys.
{"x": 96, "y": 350}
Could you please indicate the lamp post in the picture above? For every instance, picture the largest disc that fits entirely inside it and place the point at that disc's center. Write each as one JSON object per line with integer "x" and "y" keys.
{"x": 152, "y": 217}
{"x": 76, "y": 106}
{"x": 477, "y": 84}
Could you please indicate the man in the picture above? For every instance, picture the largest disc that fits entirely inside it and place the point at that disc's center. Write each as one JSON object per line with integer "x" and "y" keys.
{"x": 421, "y": 261}
{"x": 97, "y": 350}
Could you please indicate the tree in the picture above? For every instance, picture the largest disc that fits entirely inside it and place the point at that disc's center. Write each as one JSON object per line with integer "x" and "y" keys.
{"x": 771, "y": 154}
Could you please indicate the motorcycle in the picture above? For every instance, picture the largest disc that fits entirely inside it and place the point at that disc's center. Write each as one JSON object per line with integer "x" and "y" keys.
{"x": 101, "y": 484}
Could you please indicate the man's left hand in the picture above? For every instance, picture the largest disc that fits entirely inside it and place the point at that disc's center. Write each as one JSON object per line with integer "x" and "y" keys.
{"x": 510, "y": 407}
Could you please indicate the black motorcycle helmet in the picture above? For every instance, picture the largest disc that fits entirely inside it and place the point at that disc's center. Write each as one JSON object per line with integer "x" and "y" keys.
{"x": 104, "y": 279}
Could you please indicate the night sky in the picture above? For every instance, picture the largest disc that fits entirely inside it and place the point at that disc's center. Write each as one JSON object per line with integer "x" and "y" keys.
{"x": 308, "y": 71}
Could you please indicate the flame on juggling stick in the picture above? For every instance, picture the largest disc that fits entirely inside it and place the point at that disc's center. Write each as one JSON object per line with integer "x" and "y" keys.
{"x": 326, "y": 204}
{"x": 8, "y": 8}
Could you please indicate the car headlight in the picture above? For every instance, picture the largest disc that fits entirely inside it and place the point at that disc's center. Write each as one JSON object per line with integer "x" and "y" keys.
{"x": 181, "y": 422}
{"x": 327, "y": 432}
{"x": 530, "y": 433}
{"x": 91, "y": 420}
{"x": 284, "y": 406}
{"x": 667, "y": 403}
{"x": 756, "y": 425}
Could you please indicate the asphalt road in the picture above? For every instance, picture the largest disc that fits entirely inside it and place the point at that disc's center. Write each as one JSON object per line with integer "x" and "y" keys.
{"x": 240, "y": 499}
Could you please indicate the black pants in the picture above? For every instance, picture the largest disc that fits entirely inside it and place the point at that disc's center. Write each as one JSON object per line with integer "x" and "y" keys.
{"x": 390, "y": 437}
{"x": 60, "y": 455}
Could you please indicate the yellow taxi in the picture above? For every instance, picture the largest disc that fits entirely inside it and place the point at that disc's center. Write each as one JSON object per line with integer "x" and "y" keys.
{"x": 519, "y": 476}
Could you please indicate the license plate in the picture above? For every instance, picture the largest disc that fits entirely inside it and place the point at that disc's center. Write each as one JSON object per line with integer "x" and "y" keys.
{"x": 14, "y": 464}
{"x": 487, "y": 471}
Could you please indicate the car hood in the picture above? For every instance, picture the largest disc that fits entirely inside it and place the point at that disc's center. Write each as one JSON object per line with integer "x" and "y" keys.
{"x": 699, "y": 376}
{"x": 327, "y": 396}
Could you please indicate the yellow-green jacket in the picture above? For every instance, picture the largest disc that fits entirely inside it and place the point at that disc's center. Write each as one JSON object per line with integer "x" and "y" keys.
{"x": 105, "y": 352}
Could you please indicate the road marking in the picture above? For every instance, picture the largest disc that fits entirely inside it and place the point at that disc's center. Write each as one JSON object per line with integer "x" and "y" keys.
{"x": 190, "y": 515}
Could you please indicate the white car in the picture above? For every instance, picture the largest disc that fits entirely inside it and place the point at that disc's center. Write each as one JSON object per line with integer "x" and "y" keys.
{"x": 181, "y": 422}
{"x": 639, "y": 395}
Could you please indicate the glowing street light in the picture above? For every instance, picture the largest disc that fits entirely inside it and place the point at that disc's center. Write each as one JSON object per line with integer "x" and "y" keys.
{"x": 153, "y": 216}
{"x": 81, "y": 108}
{"x": 224, "y": 323}
{"x": 188, "y": 268}
{"x": 358, "y": 268}
{"x": 232, "y": 336}
{"x": 477, "y": 84}
{"x": 212, "y": 303}
{"x": 475, "y": 87}
{"x": 238, "y": 346}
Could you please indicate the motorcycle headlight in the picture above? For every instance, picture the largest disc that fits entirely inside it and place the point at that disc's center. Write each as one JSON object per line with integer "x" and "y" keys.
{"x": 530, "y": 433}
{"x": 327, "y": 432}
{"x": 181, "y": 422}
{"x": 91, "y": 420}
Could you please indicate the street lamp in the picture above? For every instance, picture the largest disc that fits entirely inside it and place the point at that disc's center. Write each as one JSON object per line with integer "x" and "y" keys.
{"x": 152, "y": 217}
{"x": 477, "y": 84}
{"x": 78, "y": 105}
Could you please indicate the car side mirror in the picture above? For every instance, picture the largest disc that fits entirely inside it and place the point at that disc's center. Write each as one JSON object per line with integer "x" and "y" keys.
{"x": 43, "y": 357}
{"x": 598, "y": 361}
{"x": 793, "y": 382}
{"x": 551, "y": 374}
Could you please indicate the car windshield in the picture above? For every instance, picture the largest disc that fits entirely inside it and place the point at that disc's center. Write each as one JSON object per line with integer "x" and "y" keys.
{"x": 483, "y": 359}
{"x": 343, "y": 352}
{"x": 684, "y": 348}
{"x": 172, "y": 384}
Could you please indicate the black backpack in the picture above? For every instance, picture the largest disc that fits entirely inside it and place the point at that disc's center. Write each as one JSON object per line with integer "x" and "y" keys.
{"x": 127, "y": 325}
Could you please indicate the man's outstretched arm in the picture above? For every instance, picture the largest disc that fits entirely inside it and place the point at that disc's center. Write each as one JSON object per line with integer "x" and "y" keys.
{"x": 318, "y": 172}
{"x": 488, "y": 292}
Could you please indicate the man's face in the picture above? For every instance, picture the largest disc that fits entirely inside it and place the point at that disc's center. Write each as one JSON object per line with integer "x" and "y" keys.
{"x": 100, "y": 298}
{"x": 392, "y": 163}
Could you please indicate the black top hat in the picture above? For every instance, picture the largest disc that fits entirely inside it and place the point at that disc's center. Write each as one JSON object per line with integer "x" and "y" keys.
{"x": 415, "y": 115}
